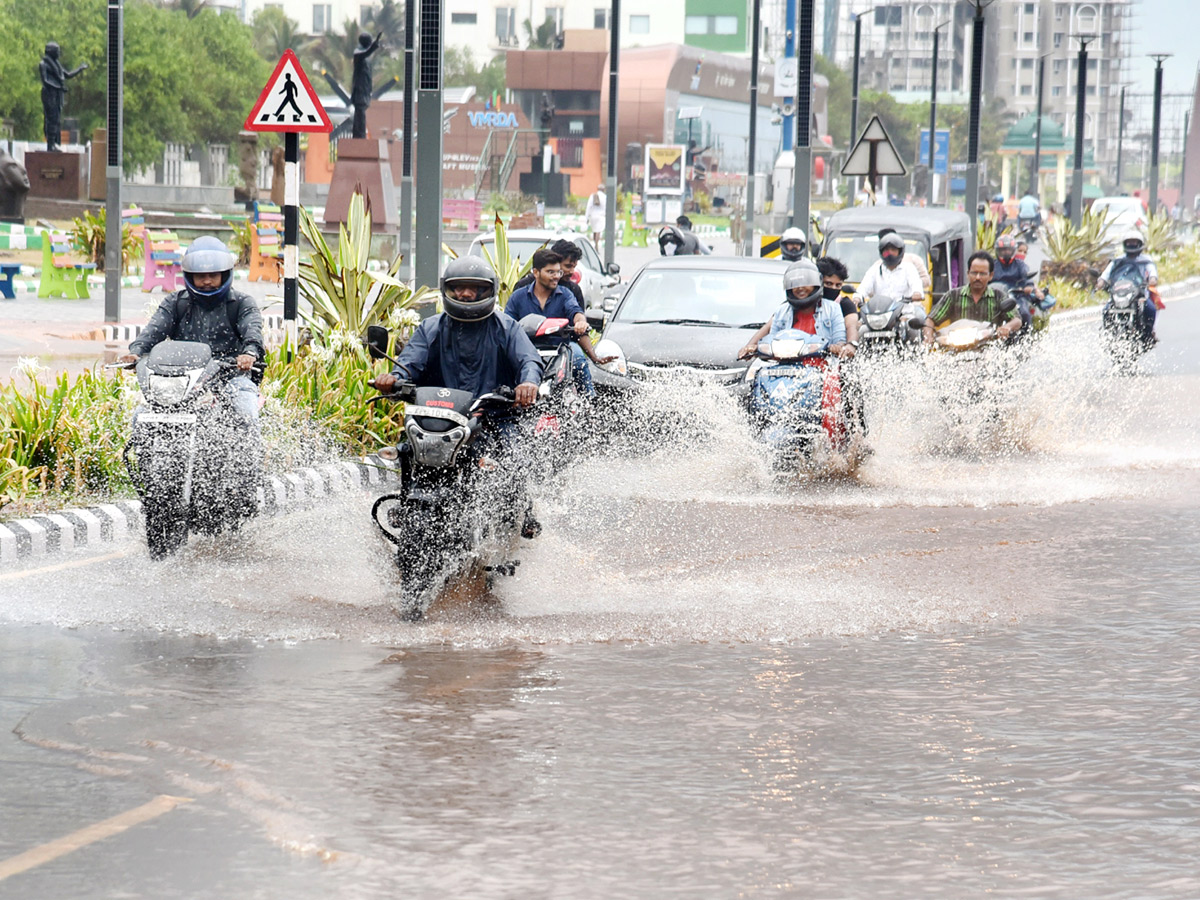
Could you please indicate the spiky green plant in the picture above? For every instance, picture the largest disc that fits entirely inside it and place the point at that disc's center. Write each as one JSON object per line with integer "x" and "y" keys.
{"x": 1162, "y": 234}
{"x": 89, "y": 233}
{"x": 344, "y": 295}
{"x": 1078, "y": 254}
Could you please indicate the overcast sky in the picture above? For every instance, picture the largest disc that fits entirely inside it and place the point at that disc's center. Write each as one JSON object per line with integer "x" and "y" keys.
{"x": 1166, "y": 26}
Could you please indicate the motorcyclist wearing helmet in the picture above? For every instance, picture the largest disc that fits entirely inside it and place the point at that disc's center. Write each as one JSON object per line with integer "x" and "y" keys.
{"x": 468, "y": 347}
{"x": 792, "y": 244}
{"x": 890, "y": 277}
{"x": 912, "y": 259}
{"x": 1016, "y": 277}
{"x": 1135, "y": 263}
{"x": 803, "y": 311}
{"x": 208, "y": 310}
{"x": 676, "y": 241}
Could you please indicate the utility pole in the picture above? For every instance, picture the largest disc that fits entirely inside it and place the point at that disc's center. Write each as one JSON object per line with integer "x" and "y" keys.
{"x": 1183, "y": 208}
{"x": 1157, "y": 129}
{"x": 1080, "y": 128}
{"x": 1120, "y": 138}
{"x": 930, "y": 198}
{"x": 428, "y": 255}
{"x": 789, "y": 52}
{"x": 854, "y": 83}
{"x": 975, "y": 116}
{"x": 112, "y": 168}
{"x": 1035, "y": 181}
{"x": 748, "y": 243}
{"x": 406, "y": 142}
{"x": 610, "y": 206}
{"x": 802, "y": 172}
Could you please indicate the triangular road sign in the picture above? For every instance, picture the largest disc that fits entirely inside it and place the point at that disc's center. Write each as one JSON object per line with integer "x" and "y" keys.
{"x": 874, "y": 154}
{"x": 288, "y": 102}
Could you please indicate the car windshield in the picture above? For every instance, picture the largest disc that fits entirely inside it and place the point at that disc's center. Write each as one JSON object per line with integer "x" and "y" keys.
{"x": 522, "y": 248}
{"x": 859, "y": 252}
{"x": 703, "y": 297}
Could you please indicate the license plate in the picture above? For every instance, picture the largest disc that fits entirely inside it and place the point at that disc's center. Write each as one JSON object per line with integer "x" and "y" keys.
{"x": 170, "y": 418}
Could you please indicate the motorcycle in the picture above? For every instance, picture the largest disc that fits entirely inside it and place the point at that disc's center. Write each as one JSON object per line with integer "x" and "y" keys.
{"x": 1123, "y": 320}
{"x": 194, "y": 461}
{"x": 882, "y": 324}
{"x": 1027, "y": 229}
{"x": 795, "y": 397}
{"x": 461, "y": 505}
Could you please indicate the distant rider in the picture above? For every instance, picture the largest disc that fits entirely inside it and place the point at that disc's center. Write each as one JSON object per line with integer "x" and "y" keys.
{"x": 1135, "y": 263}
{"x": 676, "y": 241}
{"x": 889, "y": 276}
{"x": 210, "y": 311}
{"x": 1016, "y": 277}
{"x": 685, "y": 226}
{"x": 792, "y": 244}
{"x": 1029, "y": 211}
{"x": 976, "y": 300}
{"x": 803, "y": 311}
{"x": 912, "y": 259}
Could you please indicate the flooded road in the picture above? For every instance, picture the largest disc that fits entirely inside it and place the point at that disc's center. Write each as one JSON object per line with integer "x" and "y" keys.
{"x": 966, "y": 668}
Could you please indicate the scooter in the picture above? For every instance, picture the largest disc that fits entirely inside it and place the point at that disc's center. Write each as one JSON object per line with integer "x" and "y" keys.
{"x": 194, "y": 461}
{"x": 795, "y": 398}
{"x": 882, "y": 324}
{"x": 1123, "y": 321}
{"x": 460, "y": 506}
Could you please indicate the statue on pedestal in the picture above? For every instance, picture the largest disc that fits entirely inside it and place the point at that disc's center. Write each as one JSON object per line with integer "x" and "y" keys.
{"x": 360, "y": 89}
{"x": 54, "y": 88}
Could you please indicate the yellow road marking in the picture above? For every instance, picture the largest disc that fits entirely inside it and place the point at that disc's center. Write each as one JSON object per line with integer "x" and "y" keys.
{"x": 12, "y": 576}
{"x": 98, "y": 832}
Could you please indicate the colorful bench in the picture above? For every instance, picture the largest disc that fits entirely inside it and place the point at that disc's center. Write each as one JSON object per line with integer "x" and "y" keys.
{"x": 634, "y": 235}
{"x": 164, "y": 261}
{"x": 266, "y": 233}
{"x": 7, "y": 271}
{"x": 466, "y": 212}
{"x": 62, "y": 275}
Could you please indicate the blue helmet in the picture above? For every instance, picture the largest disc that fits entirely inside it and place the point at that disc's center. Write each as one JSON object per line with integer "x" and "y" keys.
{"x": 207, "y": 255}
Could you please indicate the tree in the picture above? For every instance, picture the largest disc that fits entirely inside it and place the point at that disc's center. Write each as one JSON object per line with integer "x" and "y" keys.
{"x": 190, "y": 8}
{"x": 334, "y": 52}
{"x": 275, "y": 33}
{"x": 541, "y": 38}
{"x": 459, "y": 70}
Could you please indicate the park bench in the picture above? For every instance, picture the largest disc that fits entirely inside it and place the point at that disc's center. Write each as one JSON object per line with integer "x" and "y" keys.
{"x": 634, "y": 235}
{"x": 266, "y": 247}
{"x": 465, "y": 212}
{"x": 7, "y": 271}
{"x": 164, "y": 261}
{"x": 62, "y": 274}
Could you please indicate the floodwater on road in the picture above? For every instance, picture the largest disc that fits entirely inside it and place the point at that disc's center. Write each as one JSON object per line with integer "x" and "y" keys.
{"x": 966, "y": 667}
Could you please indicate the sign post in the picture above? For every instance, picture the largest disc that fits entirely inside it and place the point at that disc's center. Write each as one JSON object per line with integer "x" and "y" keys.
{"x": 288, "y": 104}
{"x": 874, "y": 155}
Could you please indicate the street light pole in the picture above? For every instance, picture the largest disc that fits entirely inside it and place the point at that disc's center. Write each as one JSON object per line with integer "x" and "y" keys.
{"x": 1120, "y": 138}
{"x": 802, "y": 169}
{"x": 933, "y": 117}
{"x": 1158, "y": 83}
{"x": 973, "y": 126}
{"x": 748, "y": 242}
{"x": 1035, "y": 179}
{"x": 854, "y": 83}
{"x": 1080, "y": 128}
{"x": 610, "y": 205}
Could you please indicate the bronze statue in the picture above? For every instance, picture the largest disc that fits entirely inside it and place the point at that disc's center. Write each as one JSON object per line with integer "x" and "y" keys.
{"x": 54, "y": 87}
{"x": 360, "y": 88}
{"x": 14, "y": 185}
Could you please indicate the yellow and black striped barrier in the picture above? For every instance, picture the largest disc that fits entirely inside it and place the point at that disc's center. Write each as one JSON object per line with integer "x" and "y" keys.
{"x": 769, "y": 246}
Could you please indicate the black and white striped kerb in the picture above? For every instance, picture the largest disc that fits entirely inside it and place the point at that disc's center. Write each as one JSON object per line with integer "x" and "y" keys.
{"x": 126, "y": 333}
{"x": 291, "y": 234}
{"x": 39, "y": 536}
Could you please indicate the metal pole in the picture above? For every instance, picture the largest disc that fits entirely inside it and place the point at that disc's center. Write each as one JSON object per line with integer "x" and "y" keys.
{"x": 1035, "y": 181}
{"x": 1184, "y": 210}
{"x": 112, "y": 169}
{"x": 973, "y": 126}
{"x": 406, "y": 143}
{"x": 932, "y": 119}
{"x": 291, "y": 235}
{"x": 802, "y": 173}
{"x": 428, "y": 256}
{"x": 854, "y": 83}
{"x": 1157, "y": 129}
{"x": 1080, "y": 128}
{"x": 748, "y": 242}
{"x": 1120, "y": 138}
{"x": 610, "y": 207}
{"x": 789, "y": 51}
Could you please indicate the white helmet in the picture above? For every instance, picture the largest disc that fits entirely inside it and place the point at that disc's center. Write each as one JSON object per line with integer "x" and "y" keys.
{"x": 1133, "y": 242}
{"x": 792, "y": 235}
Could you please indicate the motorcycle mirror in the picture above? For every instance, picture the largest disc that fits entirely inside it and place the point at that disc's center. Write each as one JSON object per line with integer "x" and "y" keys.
{"x": 377, "y": 341}
{"x": 595, "y": 319}
{"x": 1008, "y": 304}
{"x": 917, "y": 322}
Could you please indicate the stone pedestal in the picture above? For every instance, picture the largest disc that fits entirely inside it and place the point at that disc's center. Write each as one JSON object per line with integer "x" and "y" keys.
{"x": 55, "y": 176}
{"x": 363, "y": 165}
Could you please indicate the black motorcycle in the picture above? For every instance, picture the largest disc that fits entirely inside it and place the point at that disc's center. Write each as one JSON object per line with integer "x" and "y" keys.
{"x": 883, "y": 324}
{"x": 461, "y": 504}
{"x": 195, "y": 462}
{"x": 1123, "y": 321}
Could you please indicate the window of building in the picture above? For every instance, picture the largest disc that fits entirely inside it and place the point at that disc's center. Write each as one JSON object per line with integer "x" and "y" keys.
{"x": 555, "y": 15}
{"x": 1085, "y": 19}
{"x": 322, "y": 17}
{"x": 600, "y": 19}
{"x": 639, "y": 24}
{"x": 1056, "y": 91}
{"x": 710, "y": 25}
{"x": 725, "y": 25}
{"x": 1058, "y": 39}
{"x": 1026, "y": 90}
{"x": 506, "y": 24}
{"x": 1028, "y": 37}
{"x": 1030, "y": 9}
{"x": 464, "y": 18}
{"x": 1058, "y": 66}
{"x": 1060, "y": 10}
{"x": 1027, "y": 64}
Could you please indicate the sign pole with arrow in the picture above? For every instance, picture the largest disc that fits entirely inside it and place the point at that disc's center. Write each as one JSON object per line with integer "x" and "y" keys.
{"x": 874, "y": 155}
{"x": 288, "y": 104}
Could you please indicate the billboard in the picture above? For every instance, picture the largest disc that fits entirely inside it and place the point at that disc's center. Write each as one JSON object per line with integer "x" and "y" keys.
{"x": 664, "y": 172}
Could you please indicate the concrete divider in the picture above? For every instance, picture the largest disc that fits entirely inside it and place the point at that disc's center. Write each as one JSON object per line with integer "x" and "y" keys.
{"x": 40, "y": 536}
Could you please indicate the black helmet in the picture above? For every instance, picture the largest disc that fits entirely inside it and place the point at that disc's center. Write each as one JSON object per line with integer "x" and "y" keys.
{"x": 473, "y": 271}
{"x": 671, "y": 237}
{"x": 205, "y": 256}
{"x": 893, "y": 241}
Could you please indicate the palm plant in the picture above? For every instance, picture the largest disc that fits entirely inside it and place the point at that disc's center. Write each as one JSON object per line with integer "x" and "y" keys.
{"x": 90, "y": 232}
{"x": 1161, "y": 234}
{"x": 1078, "y": 254}
{"x": 334, "y": 51}
{"x": 344, "y": 296}
{"x": 275, "y": 33}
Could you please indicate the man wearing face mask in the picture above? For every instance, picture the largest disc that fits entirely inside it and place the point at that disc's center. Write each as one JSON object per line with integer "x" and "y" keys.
{"x": 803, "y": 311}
{"x": 889, "y": 277}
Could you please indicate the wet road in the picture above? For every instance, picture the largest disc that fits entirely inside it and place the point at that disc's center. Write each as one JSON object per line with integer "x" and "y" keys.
{"x": 968, "y": 668}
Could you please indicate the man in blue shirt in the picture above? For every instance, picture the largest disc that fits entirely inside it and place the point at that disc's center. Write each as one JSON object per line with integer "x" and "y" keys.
{"x": 1029, "y": 210}
{"x": 546, "y": 297}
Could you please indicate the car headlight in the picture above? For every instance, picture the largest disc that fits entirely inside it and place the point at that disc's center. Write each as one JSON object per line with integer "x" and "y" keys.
{"x": 609, "y": 347}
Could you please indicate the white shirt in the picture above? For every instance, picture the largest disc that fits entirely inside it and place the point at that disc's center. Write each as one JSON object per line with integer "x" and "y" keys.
{"x": 595, "y": 208}
{"x": 900, "y": 283}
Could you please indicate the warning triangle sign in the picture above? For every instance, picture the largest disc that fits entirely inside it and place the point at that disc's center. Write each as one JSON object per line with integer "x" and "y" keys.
{"x": 874, "y": 154}
{"x": 288, "y": 102}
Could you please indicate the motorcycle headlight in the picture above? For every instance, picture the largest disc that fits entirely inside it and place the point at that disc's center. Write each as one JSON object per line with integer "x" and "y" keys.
{"x": 168, "y": 390}
{"x": 610, "y": 348}
{"x": 878, "y": 321}
{"x": 963, "y": 337}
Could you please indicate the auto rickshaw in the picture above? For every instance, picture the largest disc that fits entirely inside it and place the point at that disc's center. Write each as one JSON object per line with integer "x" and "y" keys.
{"x": 942, "y": 237}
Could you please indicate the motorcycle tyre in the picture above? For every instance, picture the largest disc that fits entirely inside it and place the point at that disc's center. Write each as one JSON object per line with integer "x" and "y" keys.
{"x": 166, "y": 526}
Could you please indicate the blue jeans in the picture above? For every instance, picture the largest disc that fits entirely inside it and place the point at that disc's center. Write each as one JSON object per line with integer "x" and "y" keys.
{"x": 580, "y": 370}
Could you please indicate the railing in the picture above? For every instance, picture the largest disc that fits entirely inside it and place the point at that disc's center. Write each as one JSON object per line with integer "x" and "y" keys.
{"x": 510, "y": 157}
{"x": 485, "y": 162}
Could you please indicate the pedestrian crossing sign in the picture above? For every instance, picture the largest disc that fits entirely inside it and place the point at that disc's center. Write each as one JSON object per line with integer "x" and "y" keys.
{"x": 288, "y": 102}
